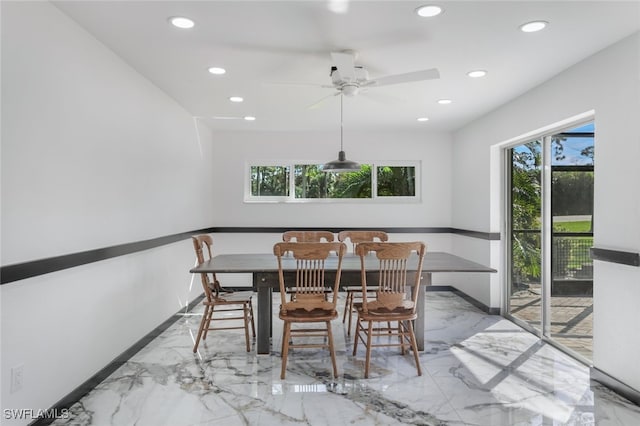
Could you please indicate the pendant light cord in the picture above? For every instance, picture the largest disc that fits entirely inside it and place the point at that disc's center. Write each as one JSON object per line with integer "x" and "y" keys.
{"x": 341, "y": 147}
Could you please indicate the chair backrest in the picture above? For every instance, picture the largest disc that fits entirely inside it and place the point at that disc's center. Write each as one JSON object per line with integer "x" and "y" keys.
{"x": 202, "y": 246}
{"x": 356, "y": 237}
{"x": 310, "y": 262}
{"x": 393, "y": 260}
{"x": 307, "y": 236}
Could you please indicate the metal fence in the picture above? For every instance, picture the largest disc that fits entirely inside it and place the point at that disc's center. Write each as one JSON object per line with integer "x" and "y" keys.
{"x": 571, "y": 257}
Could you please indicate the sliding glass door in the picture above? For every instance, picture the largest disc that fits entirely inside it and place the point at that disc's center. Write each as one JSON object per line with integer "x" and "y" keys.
{"x": 525, "y": 192}
{"x": 550, "y": 227}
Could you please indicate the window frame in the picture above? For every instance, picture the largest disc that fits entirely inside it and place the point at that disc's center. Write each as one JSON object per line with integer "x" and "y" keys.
{"x": 291, "y": 198}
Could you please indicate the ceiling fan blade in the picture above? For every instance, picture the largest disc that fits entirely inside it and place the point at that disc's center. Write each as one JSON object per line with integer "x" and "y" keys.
{"x": 429, "y": 74}
{"x": 292, "y": 83}
{"x": 223, "y": 117}
{"x": 321, "y": 101}
{"x": 345, "y": 63}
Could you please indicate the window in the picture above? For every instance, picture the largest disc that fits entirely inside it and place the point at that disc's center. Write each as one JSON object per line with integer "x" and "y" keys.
{"x": 302, "y": 181}
{"x": 396, "y": 181}
{"x": 269, "y": 181}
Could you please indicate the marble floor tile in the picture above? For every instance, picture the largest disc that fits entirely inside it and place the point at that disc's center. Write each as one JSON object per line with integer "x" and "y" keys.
{"x": 478, "y": 369}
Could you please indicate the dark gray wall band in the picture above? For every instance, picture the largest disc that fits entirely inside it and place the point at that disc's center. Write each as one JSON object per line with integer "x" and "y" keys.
{"x": 615, "y": 256}
{"x": 21, "y": 271}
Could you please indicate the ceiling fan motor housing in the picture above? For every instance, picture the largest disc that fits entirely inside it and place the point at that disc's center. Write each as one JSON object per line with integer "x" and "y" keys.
{"x": 360, "y": 72}
{"x": 349, "y": 87}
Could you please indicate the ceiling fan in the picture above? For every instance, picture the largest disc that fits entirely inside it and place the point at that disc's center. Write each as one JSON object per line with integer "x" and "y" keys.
{"x": 350, "y": 79}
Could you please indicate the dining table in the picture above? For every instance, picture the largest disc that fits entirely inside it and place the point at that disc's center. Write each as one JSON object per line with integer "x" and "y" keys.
{"x": 264, "y": 269}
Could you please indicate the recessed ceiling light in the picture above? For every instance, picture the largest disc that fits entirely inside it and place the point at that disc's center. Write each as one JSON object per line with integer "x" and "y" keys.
{"x": 338, "y": 6}
{"x": 423, "y": 118}
{"x": 429, "y": 11}
{"x": 477, "y": 73}
{"x": 249, "y": 118}
{"x": 444, "y": 101}
{"x": 217, "y": 70}
{"x": 533, "y": 26}
{"x": 236, "y": 99}
{"x": 181, "y": 22}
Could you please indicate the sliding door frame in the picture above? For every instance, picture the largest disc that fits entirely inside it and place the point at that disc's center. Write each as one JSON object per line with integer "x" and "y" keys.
{"x": 546, "y": 276}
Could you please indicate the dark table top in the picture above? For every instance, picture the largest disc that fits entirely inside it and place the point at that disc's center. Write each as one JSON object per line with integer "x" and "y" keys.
{"x": 266, "y": 262}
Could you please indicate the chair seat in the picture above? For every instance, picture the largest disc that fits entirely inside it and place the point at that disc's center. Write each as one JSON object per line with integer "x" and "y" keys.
{"x": 398, "y": 314}
{"x": 295, "y": 289}
{"x": 302, "y": 315}
{"x": 240, "y": 297}
{"x": 358, "y": 288}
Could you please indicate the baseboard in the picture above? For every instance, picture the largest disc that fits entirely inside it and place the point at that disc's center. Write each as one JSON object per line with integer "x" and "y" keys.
{"x": 616, "y": 385}
{"x": 86, "y": 387}
{"x": 484, "y": 308}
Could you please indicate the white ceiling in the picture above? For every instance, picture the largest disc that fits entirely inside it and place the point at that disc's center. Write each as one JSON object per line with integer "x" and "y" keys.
{"x": 263, "y": 43}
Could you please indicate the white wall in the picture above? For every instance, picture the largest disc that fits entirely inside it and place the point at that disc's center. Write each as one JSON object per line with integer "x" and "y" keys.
{"x": 234, "y": 149}
{"x": 609, "y": 84}
{"x": 93, "y": 155}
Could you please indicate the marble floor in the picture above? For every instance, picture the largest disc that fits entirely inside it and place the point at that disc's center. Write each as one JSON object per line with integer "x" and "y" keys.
{"x": 571, "y": 321}
{"x": 478, "y": 369}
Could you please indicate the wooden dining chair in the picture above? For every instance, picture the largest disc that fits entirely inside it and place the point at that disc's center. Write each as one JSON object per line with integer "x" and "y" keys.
{"x": 354, "y": 291}
{"x": 308, "y": 236}
{"x": 219, "y": 300}
{"x": 311, "y": 304}
{"x": 395, "y": 301}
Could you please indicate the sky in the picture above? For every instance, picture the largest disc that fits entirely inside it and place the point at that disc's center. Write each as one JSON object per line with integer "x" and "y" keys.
{"x": 573, "y": 147}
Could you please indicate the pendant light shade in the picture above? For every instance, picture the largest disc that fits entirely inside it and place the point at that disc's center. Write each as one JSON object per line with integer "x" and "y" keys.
{"x": 341, "y": 165}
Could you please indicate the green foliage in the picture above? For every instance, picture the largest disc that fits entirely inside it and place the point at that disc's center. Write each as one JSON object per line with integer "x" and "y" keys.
{"x": 572, "y": 193}
{"x": 396, "y": 181}
{"x": 355, "y": 184}
{"x": 526, "y": 207}
{"x": 312, "y": 182}
{"x": 269, "y": 181}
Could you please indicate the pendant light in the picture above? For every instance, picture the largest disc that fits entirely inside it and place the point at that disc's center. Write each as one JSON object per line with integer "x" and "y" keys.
{"x": 341, "y": 165}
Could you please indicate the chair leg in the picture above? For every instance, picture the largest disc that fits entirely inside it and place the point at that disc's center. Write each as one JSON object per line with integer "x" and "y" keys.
{"x": 401, "y": 336}
{"x": 285, "y": 347}
{"x": 245, "y": 311}
{"x": 253, "y": 325}
{"x": 350, "y": 314}
{"x": 414, "y": 347}
{"x": 368, "y": 357}
{"x": 346, "y": 306}
{"x": 209, "y": 319}
{"x": 203, "y": 324}
{"x": 356, "y": 337}
{"x": 332, "y": 350}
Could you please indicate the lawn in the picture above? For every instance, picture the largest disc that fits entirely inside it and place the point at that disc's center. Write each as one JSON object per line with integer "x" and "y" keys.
{"x": 577, "y": 226}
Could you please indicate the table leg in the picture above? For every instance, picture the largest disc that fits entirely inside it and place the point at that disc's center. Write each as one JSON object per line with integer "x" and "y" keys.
{"x": 264, "y": 320}
{"x": 420, "y": 310}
